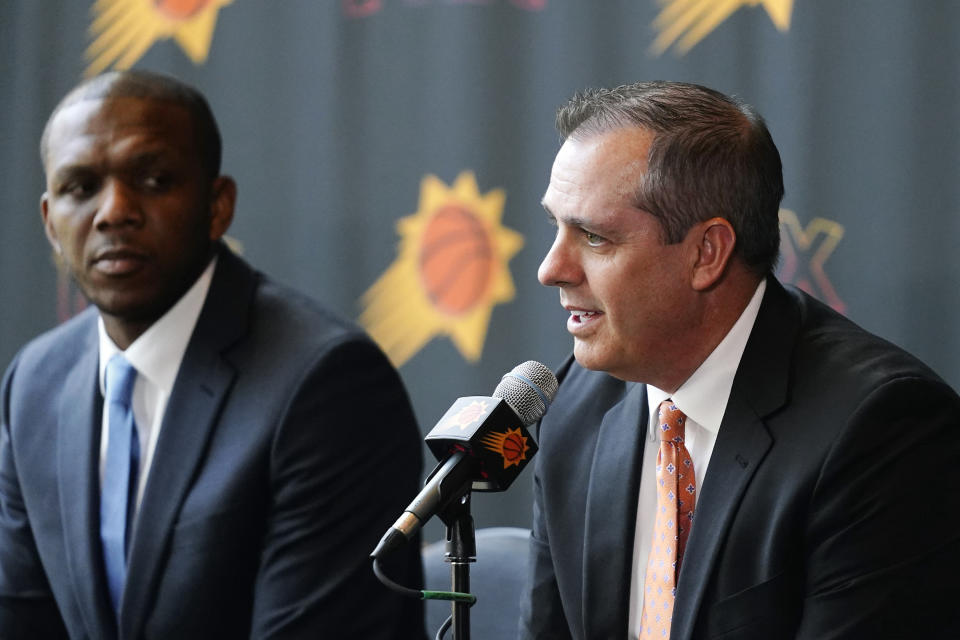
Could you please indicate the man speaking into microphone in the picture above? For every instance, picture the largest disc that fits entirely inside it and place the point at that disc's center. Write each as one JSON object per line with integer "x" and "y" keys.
{"x": 725, "y": 457}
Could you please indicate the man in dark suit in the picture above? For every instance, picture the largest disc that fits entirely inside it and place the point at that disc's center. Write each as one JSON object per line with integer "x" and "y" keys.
{"x": 809, "y": 484}
{"x": 271, "y": 442}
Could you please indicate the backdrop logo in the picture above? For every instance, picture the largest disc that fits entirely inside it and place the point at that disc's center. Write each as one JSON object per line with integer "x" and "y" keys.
{"x": 687, "y": 22}
{"x": 123, "y": 30}
{"x": 804, "y": 252}
{"x": 451, "y": 269}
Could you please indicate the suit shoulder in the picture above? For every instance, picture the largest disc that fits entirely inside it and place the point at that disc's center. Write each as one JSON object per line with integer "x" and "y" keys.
{"x": 56, "y": 350}
{"x": 247, "y": 305}
{"x": 290, "y": 340}
{"x": 296, "y": 316}
{"x": 838, "y": 351}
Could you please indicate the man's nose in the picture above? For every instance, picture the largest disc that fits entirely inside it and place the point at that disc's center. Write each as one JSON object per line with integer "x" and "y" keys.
{"x": 559, "y": 266}
{"x": 119, "y": 205}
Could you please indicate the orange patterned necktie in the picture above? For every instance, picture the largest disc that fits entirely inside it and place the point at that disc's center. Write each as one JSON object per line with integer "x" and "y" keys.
{"x": 676, "y": 495}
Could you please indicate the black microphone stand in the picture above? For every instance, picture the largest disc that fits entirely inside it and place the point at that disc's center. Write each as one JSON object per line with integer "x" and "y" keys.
{"x": 461, "y": 551}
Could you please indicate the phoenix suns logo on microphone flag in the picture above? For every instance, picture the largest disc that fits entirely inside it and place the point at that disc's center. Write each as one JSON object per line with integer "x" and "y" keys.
{"x": 123, "y": 30}
{"x": 512, "y": 445}
{"x": 466, "y": 416}
{"x": 450, "y": 271}
{"x": 687, "y": 22}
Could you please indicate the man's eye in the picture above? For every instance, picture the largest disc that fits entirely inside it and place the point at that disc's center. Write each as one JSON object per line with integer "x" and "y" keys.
{"x": 593, "y": 239}
{"x": 156, "y": 181}
{"x": 79, "y": 188}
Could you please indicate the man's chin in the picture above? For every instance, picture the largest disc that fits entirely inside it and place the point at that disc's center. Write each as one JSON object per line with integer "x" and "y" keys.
{"x": 592, "y": 360}
{"x": 586, "y": 357}
{"x": 128, "y": 308}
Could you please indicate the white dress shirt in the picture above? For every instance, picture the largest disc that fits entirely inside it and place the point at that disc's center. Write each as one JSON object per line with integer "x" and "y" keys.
{"x": 156, "y": 355}
{"x": 703, "y": 399}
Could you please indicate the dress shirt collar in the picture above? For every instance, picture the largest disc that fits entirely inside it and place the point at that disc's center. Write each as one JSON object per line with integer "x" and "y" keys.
{"x": 157, "y": 353}
{"x": 703, "y": 397}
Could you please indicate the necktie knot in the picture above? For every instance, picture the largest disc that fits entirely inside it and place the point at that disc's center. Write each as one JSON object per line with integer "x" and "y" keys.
{"x": 671, "y": 421}
{"x": 118, "y": 380}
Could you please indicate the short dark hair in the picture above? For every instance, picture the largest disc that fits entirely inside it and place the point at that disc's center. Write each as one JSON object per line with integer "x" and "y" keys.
{"x": 712, "y": 155}
{"x": 151, "y": 86}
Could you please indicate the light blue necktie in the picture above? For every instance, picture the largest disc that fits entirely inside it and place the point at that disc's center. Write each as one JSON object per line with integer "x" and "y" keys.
{"x": 119, "y": 487}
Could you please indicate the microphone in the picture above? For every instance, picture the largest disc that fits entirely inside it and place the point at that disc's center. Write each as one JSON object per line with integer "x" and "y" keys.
{"x": 482, "y": 444}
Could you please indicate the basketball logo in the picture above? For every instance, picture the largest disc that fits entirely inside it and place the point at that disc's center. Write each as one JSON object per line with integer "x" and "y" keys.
{"x": 512, "y": 445}
{"x": 451, "y": 269}
{"x": 467, "y": 416}
{"x": 123, "y": 30}
{"x": 513, "y": 448}
{"x": 180, "y": 9}
{"x": 455, "y": 259}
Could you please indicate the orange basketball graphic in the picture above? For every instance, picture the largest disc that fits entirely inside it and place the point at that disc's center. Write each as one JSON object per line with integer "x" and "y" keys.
{"x": 511, "y": 444}
{"x": 456, "y": 259}
{"x": 451, "y": 270}
{"x": 514, "y": 448}
{"x": 180, "y": 9}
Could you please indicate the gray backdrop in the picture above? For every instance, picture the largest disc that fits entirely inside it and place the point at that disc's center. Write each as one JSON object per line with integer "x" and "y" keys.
{"x": 333, "y": 113}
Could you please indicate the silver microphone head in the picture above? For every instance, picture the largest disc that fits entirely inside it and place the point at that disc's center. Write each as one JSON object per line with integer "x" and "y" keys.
{"x": 528, "y": 389}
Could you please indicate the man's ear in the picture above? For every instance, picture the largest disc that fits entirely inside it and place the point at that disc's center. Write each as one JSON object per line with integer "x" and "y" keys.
{"x": 716, "y": 241}
{"x": 223, "y": 197}
{"x": 48, "y": 225}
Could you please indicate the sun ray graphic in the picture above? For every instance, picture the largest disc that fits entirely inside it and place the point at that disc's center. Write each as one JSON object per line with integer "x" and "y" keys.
{"x": 687, "y": 22}
{"x": 451, "y": 269}
{"x": 512, "y": 445}
{"x": 123, "y": 30}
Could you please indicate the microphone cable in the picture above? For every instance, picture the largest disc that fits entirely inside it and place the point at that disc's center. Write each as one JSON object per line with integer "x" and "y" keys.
{"x": 422, "y": 594}
{"x": 425, "y": 594}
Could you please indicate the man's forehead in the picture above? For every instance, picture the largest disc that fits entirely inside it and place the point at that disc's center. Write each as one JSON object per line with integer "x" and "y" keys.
{"x": 612, "y": 161}
{"x": 93, "y": 122}
{"x": 621, "y": 145}
{"x": 109, "y": 111}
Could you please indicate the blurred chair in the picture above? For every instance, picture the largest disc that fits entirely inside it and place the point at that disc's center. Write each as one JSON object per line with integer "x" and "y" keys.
{"x": 497, "y": 579}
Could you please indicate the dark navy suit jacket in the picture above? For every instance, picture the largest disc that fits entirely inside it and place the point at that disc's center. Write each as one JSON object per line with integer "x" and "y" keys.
{"x": 287, "y": 448}
{"x": 830, "y": 508}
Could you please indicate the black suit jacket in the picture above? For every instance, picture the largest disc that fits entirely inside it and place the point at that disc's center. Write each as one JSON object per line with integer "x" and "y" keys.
{"x": 288, "y": 446}
{"x": 830, "y": 507}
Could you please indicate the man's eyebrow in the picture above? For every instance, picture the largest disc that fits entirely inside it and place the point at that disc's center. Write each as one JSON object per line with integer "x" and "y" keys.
{"x": 571, "y": 222}
{"x": 67, "y": 171}
{"x": 574, "y": 222}
{"x": 145, "y": 158}
{"x": 550, "y": 216}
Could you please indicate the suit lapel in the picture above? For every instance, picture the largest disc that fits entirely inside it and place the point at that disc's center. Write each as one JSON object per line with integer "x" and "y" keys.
{"x": 202, "y": 384}
{"x": 78, "y": 456}
{"x": 759, "y": 388}
{"x": 735, "y": 457}
{"x": 611, "y": 515}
